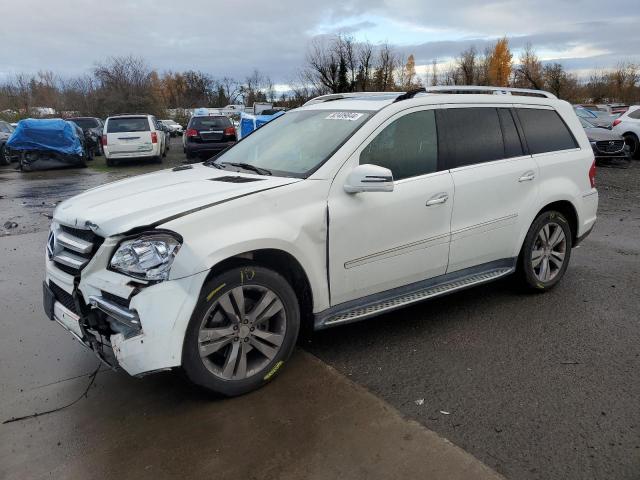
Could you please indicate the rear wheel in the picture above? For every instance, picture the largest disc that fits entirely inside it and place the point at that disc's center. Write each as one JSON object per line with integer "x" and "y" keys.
{"x": 111, "y": 162}
{"x": 631, "y": 139}
{"x": 546, "y": 251}
{"x": 243, "y": 329}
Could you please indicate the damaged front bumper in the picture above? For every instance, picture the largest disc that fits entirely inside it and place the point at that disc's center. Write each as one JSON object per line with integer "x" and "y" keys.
{"x": 139, "y": 328}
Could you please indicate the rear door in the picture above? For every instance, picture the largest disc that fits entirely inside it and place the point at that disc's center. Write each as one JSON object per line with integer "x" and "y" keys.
{"x": 494, "y": 180}
{"x": 129, "y": 135}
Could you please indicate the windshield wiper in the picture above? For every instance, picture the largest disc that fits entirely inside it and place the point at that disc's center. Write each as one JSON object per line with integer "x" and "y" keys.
{"x": 248, "y": 166}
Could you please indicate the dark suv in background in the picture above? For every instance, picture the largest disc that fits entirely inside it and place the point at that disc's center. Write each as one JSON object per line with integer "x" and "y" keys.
{"x": 92, "y": 129}
{"x": 208, "y": 135}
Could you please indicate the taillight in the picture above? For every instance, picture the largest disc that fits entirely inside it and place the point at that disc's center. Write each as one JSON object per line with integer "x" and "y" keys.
{"x": 154, "y": 137}
{"x": 230, "y": 131}
{"x": 617, "y": 121}
{"x": 592, "y": 174}
{"x": 104, "y": 140}
{"x": 192, "y": 132}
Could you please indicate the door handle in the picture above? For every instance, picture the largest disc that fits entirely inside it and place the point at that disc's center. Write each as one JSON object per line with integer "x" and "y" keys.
{"x": 437, "y": 199}
{"x": 527, "y": 176}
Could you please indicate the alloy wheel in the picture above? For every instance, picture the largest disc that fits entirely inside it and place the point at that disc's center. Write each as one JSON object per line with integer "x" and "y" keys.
{"x": 548, "y": 252}
{"x": 242, "y": 332}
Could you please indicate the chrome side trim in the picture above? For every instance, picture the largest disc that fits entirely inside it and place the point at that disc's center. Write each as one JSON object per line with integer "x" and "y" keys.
{"x": 73, "y": 243}
{"x": 483, "y": 224}
{"x": 70, "y": 260}
{"x": 392, "y": 252}
{"x": 119, "y": 313}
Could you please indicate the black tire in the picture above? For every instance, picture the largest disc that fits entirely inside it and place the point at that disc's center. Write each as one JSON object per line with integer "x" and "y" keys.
{"x": 157, "y": 159}
{"x": 631, "y": 139}
{"x": 190, "y": 155}
{"x": 5, "y": 159}
{"x": 248, "y": 277}
{"x": 530, "y": 277}
{"x": 111, "y": 162}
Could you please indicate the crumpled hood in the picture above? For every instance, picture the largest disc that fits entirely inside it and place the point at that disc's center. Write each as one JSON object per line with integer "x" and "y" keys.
{"x": 157, "y": 197}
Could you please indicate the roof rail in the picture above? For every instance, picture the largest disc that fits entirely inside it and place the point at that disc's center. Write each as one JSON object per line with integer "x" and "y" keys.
{"x": 493, "y": 90}
{"x": 339, "y": 96}
{"x": 409, "y": 94}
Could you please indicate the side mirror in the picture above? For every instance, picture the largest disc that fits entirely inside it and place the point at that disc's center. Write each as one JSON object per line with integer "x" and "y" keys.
{"x": 369, "y": 178}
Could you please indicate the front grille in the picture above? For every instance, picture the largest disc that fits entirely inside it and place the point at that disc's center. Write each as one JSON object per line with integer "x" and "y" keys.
{"x": 610, "y": 146}
{"x": 63, "y": 297}
{"x": 74, "y": 248}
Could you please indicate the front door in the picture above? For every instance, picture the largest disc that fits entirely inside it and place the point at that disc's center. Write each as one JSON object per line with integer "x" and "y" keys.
{"x": 382, "y": 240}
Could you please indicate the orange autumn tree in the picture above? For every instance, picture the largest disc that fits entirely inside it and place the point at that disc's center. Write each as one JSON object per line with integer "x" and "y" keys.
{"x": 500, "y": 64}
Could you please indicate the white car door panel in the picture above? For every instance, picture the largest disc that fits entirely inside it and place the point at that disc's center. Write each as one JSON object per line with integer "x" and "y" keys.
{"x": 382, "y": 240}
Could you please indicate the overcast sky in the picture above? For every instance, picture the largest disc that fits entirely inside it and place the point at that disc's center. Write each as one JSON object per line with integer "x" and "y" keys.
{"x": 233, "y": 37}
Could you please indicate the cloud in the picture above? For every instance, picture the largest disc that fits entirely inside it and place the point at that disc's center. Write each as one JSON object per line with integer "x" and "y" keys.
{"x": 233, "y": 38}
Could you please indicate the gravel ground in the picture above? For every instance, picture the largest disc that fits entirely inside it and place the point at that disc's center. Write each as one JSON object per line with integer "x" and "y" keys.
{"x": 536, "y": 386}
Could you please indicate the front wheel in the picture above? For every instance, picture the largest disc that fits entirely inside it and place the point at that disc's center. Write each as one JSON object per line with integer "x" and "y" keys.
{"x": 546, "y": 251}
{"x": 243, "y": 329}
{"x": 5, "y": 156}
{"x": 634, "y": 145}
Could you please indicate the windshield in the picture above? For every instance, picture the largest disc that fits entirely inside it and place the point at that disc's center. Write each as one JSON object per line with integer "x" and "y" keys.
{"x": 584, "y": 113}
{"x": 585, "y": 124}
{"x": 296, "y": 143}
{"x": 85, "y": 122}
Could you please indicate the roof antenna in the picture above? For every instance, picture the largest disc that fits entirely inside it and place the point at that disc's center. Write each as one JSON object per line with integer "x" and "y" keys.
{"x": 410, "y": 94}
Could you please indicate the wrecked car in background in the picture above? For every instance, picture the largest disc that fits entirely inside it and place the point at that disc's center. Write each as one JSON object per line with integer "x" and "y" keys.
{"x": 48, "y": 144}
{"x": 92, "y": 129}
{"x": 5, "y": 132}
{"x": 608, "y": 147}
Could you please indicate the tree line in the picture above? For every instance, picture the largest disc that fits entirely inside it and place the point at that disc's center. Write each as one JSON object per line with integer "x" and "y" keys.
{"x": 332, "y": 65}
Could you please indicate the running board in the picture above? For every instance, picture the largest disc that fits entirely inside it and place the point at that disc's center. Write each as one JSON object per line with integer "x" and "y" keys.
{"x": 386, "y": 303}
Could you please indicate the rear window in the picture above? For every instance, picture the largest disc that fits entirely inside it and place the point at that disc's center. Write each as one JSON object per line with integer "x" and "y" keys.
{"x": 209, "y": 123}
{"x": 469, "y": 135}
{"x": 635, "y": 114}
{"x": 85, "y": 122}
{"x": 545, "y": 131}
{"x": 128, "y": 124}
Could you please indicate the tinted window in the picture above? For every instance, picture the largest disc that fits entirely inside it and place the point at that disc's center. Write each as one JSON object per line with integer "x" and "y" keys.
{"x": 512, "y": 144}
{"x": 545, "y": 131}
{"x": 408, "y": 146}
{"x": 128, "y": 124}
{"x": 469, "y": 135}
{"x": 86, "y": 122}
{"x": 635, "y": 114}
{"x": 209, "y": 123}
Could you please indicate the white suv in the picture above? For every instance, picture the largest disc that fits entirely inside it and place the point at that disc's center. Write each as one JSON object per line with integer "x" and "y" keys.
{"x": 132, "y": 136}
{"x": 351, "y": 206}
{"x": 628, "y": 125}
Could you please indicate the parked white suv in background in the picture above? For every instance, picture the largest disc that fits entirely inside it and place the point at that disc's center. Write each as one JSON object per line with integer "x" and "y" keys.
{"x": 351, "y": 206}
{"x": 628, "y": 125}
{"x": 132, "y": 136}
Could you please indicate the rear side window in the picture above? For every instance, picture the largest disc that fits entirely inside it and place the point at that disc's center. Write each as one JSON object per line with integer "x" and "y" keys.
{"x": 512, "y": 143}
{"x": 545, "y": 131}
{"x": 128, "y": 124}
{"x": 408, "y": 146}
{"x": 469, "y": 135}
{"x": 635, "y": 114}
{"x": 209, "y": 123}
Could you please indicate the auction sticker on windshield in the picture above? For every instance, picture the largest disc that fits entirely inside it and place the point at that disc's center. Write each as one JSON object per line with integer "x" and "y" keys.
{"x": 351, "y": 116}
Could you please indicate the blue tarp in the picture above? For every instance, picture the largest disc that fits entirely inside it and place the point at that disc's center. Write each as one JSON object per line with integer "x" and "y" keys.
{"x": 51, "y": 135}
{"x": 248, "y": 123}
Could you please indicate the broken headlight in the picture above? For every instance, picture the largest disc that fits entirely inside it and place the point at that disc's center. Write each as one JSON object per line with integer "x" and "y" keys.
{"x": 148, "y": 257}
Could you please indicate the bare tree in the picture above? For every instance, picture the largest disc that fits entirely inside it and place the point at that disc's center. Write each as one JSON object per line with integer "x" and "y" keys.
{"x": 468, "y": 67}
{"x": 528, "y": 73}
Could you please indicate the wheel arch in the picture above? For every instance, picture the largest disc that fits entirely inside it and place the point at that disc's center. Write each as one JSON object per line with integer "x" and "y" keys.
{"x": 286, "y": 265}
{"x": 568, "y": 210}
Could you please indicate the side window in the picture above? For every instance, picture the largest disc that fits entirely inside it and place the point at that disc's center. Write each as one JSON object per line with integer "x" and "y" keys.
{"x": 408, "y": 146}
{"x": 635, "y": 114}
{"x": 469, "y": 135}
{"x": 512, "y": 143}
{"x": 545, "y": 131}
